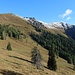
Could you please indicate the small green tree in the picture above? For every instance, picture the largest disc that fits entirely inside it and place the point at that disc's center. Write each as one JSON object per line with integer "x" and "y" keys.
{"x": 9, "y": 46}
{"x": 10, "y": 33}
{"x": 36, "y": 58}
{"x": 74, "y": 64}
{"x": 69, "y": 60}
{"x": 3, "y": 35}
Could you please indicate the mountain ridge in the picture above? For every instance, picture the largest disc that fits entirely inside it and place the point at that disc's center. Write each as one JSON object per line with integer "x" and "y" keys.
{"x": 68, "y": 29}
{"x": 53, "y": 25}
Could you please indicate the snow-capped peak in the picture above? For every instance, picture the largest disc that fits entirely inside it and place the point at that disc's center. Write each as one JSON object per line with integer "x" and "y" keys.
{"x": 53, "y": 25}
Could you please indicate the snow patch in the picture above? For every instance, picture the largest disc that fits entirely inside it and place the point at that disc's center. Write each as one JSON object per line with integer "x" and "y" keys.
{"x": 54, "y": 25}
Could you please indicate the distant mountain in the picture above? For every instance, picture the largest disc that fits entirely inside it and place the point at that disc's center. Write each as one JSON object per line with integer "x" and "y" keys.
{"x": 34, "y": 22}
{"x": 69, "y": 29}
{"x": 54, "y": 25}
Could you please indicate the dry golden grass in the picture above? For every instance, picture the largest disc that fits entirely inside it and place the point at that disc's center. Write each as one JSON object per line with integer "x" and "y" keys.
{"x": 55, "y": 31}
{"x": 19, "y": 59}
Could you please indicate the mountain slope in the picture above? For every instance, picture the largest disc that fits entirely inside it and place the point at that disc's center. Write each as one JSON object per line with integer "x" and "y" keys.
{"x": 19, "y": 59}
{"x": 10, "y": 18}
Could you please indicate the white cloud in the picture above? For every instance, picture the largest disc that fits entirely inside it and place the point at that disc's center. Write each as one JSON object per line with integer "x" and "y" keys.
{"x": 68, "y": 18}
{"x": 67, "y": 13}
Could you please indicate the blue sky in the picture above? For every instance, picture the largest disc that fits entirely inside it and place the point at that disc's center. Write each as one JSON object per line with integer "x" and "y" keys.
{"x": 44, "y": 10}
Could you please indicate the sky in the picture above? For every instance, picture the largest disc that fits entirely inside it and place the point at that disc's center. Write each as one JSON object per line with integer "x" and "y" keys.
{"x": 43, "y": 10}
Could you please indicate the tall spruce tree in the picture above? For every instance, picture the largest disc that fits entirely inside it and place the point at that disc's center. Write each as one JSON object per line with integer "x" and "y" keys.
{"x": 36, "y": 58}
{"x": 74, "y": 62}
{"x": 51, "y": 61}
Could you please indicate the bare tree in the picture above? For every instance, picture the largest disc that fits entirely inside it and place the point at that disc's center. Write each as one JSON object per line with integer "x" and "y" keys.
{"x": 36, "y": 58}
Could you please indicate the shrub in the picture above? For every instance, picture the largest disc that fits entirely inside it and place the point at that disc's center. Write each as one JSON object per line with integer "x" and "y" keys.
{"x": 9, "y": 46}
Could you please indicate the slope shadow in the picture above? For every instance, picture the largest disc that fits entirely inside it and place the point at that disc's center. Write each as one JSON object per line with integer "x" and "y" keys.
{"x": 45, "y": 67}
{"x": 70, "y": 68}
{"x": 13, "y": 62}
{"x": 70, "y": 32}
{"x": 20, "y": 58}
{"x": 7, "y": 72}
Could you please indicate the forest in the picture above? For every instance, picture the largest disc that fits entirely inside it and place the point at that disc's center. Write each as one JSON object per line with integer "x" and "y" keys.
{"x": 63, "y": 46}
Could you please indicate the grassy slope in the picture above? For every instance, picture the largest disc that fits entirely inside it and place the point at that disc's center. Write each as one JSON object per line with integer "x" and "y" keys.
{"x": 55, "y": 31}
{"x": 19, "y": 59}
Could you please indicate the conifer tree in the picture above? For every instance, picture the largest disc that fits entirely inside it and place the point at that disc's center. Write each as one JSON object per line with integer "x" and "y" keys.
{"x": 36, "y": 58}
{"x": 9, "y": 46}
{"x": 51, "y": 61}
{"x": 73, "y": 62}
{"x": 3, "y": 35}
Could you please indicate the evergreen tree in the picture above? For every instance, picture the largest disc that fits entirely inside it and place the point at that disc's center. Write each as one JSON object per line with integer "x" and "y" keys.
{"x": 36, "y": 58}
{"x": 51, "y": 61}
{"x": 74, "y": 67}
{"x": 10, "y": 34}
{"x": 57, "y": 51}
{"x": 69, "y": 59}
{"x": 74, "y": 62}
{"x": 9, "y": 46}
{"x": 3, "y": 35}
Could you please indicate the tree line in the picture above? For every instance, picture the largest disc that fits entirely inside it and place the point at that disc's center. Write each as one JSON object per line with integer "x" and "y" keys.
{"x": 10, "y": 31}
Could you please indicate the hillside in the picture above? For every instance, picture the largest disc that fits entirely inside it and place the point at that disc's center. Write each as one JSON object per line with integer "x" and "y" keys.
{"x": 19, "y": 59}
{"x": 11, "y": 19}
